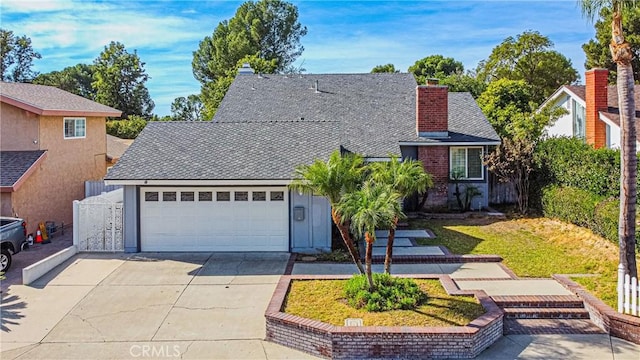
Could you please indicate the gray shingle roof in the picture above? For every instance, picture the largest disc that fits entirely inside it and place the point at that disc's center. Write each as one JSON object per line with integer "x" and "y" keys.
{"x": 14, "y": 164}
{"x": 224, "y": 151}
{"x": 266, "y": 125}
{"x": 49, "y": 100}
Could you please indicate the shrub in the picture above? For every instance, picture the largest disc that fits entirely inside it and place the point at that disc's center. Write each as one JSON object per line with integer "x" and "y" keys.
{"x": 606, "y": 219}
{"x": 570, "y": 204}
{"x": 390, "y": 293}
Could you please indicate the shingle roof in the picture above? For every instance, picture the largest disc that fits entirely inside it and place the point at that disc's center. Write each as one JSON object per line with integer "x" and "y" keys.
{"x": 49, "y": 100}
{"x": 116, "y": 147}
{"x": 268, "y": 124}
{"x": 224, "y": 151}
{"x": 15, "y": 164}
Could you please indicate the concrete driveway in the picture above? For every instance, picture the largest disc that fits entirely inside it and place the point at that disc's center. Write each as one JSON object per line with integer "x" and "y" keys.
{"x": 185, "y": 305}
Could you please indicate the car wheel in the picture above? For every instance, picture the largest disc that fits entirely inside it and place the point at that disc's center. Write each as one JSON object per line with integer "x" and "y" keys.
{"x": 5, "y": 260}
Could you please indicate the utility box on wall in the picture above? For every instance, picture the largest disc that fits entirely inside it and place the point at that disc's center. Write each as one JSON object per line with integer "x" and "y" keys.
{"x": 298, "y": 213}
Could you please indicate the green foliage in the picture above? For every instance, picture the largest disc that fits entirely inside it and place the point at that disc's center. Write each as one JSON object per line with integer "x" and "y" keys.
{"x": 529, "y": 57}
{"x": 119, "y": 81}
{"x": 17, "y": 57}
{"x": 464, "y": 82}
{"x": 339, "y": 255}
{"x": 74, "y": 79}
{"x": 571, "y": 162}
{"x": 188, "y": 108}
{"x": 606, "y": 217}
{"x": 435, "y": 66}
{"x": 390, "y": 293}
{"x": 126, "y": 128}
{"x": 407, "y": 177}
{"x": 570, "y": 204}
{"x": 387, "y": 68}
{"x": 267, "y": 28}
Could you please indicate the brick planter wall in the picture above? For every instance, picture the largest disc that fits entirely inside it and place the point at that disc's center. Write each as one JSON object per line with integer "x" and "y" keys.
{"x": 383, "y": 342}
{"x": 623, "y": 326}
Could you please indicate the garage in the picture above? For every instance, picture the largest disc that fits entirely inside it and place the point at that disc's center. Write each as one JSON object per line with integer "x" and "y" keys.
{"x": 214, "y": 219}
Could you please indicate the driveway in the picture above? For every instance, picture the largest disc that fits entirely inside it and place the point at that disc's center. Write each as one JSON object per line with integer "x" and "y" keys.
{"x": 184, "y": 305}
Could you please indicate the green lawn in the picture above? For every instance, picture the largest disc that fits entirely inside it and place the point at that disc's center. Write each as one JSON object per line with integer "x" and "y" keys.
{"x": 324, "y": 300}
{"x": 536, "y": 247}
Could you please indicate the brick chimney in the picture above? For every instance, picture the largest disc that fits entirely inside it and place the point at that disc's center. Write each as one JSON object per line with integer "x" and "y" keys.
{"x": 432, "y": 110}
{"x": 596, "y": 99}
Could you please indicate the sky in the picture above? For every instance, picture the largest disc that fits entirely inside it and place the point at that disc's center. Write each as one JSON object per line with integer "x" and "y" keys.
{"x": 343, "y": 36}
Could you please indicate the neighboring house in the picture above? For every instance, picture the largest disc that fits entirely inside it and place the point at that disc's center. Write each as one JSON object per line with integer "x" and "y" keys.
{"x": 593, "y": 113}
{"x": 115, "y": 148}
{"x": 51, "y": 142}
{"x": 222, "y": 185}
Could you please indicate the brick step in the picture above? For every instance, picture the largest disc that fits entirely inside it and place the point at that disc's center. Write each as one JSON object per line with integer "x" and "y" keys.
{"x": 538, "y": 301}
{"x": 546, "y": 313}
{"x": 549, "y": 326}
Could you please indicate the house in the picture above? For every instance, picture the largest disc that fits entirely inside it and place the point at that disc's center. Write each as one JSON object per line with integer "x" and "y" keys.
{"x": 592, "y": 111}
{"x": 222, "y": 185}
{"x": 51, "y": 142}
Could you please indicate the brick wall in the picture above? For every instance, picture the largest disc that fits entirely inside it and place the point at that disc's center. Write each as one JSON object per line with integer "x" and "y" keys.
{"x": 432, "y": 109}
{"x": 378, "y": 342}
{"x": 435, "y": 160}
{"x": 619, "y": 325}
{"x": 596, "y": 99}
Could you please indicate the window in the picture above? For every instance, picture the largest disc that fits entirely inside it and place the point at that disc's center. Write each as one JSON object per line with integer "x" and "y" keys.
{"x": 169, "y": 196}
{"x": 205, "y": 196}
{"x": 579, "y": 116}
{"x": 277, "y": 196}
{"x": 241, "y": 196}
{"x": 259, "y": 196}
{"x": 74, "y": 128}
{"x": 607, "y": 134}
{"x": 151, "y": 196}
{"x": 468, "y": 162}
{"x": 223, "y": 196}
{"x": 187, "y": 196}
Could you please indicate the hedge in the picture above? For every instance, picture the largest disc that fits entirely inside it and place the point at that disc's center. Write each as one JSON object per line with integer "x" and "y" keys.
{"x": 585, "y": 209}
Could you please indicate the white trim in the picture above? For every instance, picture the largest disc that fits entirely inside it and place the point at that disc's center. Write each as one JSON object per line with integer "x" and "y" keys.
{"x": 200, "y": 182}
{"x": 75, "y": 119}
{"x": 461, "y": 143}
{"x": 608, "y": 121}
{"x": 466, "y": 161}
{"x": 555, "y": 96}
{"x": 377, "y": 159}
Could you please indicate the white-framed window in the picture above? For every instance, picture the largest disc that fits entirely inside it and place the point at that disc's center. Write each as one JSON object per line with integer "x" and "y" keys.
{"x": 75, "y": 128}
{"x": 467, "y": 161}
{"x": 579, "y": 120}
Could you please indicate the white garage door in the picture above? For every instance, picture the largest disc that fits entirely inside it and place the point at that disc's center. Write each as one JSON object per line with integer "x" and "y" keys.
{"x": 214, "y": 219}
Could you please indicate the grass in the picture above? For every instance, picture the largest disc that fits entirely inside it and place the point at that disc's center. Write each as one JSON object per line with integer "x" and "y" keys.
{"x": 324, "y": 300}
{"x": 534, "y": 247}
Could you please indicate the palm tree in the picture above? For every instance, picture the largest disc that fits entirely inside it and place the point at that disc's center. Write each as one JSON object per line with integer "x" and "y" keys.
{"x": 370, "y": 207}
{"x": 406, "y": 178}
{"x": 622, "y": 56}
{"x": 332, "y": 179}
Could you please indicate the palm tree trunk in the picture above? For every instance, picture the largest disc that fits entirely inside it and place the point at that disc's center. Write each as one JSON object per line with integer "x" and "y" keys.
{"x": 423, "y": 200}
{"x": 370, "y": 240}
{"x": 388, "y": 256}
{"x": 622, "y": 55}
{"x": 346, "y": 237}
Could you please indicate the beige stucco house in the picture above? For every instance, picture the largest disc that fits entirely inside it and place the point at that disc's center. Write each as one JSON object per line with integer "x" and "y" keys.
{"x": 51, "y": 142}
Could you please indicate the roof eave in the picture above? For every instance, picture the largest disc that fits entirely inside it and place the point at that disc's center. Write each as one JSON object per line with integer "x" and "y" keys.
{"x": 16, "y": 186}
{"x": 57, "y": 112}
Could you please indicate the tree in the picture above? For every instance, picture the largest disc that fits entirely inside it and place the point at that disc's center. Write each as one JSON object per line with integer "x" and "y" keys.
{"x": 406, "y": 178}
{"x": 435, "y": 66}
{"x": 339, "y": 175}
{"x": 268, "y": 29}
{"x": 529, "y": 57}
{"x": 371, "y": 207}
{"x": 74, "y": 79}
{"x": 17, "y": 57}
{"x": 622, "y": 55}
{"x": 464, "y": 82}
{"x": 597, "y": 49}
{"x": 387, "y": 68}
{"x": 119, "y": 81}
{"x": 508, "y": 106}
{"x": 188, "y": 108}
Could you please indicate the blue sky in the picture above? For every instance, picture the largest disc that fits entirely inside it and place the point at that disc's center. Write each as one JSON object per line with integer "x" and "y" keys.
{"x": 343, "y": 36}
